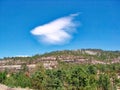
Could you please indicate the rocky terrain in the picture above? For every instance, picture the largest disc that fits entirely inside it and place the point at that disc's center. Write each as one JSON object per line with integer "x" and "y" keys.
{"x": 4, "y": 87}
{"x": 103, "y": 61}
{"x": 50, "y": 60}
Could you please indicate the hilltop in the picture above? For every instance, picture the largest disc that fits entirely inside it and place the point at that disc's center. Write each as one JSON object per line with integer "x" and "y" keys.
{"x": 51, "y": 59}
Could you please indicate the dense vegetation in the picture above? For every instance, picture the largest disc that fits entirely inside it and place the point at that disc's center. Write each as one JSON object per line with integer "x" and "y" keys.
{"x": 66, "y": 77}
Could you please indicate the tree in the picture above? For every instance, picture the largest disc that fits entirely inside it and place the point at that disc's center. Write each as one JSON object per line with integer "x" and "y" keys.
{"x": 38, "y": 80}
{"x": 2, "y": 76}
{"x": 104, "y": 82}
{"x": 24, "y": 67}
{"x": 18, "y": 79}
{"x": 92, "y": 69}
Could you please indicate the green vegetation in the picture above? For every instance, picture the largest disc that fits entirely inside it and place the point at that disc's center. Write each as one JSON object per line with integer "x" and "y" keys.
{"x": 66, "y": 77}
{"x": 96, "y": 54}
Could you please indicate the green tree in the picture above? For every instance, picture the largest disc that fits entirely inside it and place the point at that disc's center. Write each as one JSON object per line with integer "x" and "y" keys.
{"x": 38, "y": 80}
{"x": 2, "y": 76}
{"x": 104, "y": 82}
{"x": 92, "y": 69}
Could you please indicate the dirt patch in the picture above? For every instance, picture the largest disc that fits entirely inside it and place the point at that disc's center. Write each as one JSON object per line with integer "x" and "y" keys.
{"x": 4, "y": 87}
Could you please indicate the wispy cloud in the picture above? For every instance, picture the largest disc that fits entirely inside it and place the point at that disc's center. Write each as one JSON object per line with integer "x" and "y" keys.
{"x": 58, "y": 31}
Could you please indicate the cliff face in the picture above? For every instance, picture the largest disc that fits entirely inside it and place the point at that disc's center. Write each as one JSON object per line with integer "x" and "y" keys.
{"x": 50, "y": 60}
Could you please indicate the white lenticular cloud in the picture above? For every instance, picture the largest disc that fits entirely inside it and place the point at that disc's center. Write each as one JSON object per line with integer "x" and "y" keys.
{"x": 56, "y": 32}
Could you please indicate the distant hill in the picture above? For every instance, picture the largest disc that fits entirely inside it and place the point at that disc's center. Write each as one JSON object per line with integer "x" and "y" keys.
{"x": 50, "y": 60}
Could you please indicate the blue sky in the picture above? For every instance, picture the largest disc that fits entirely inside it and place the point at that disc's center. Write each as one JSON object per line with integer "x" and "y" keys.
{"x": 26, "y": 26}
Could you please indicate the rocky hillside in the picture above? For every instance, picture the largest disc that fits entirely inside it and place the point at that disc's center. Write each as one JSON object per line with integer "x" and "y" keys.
{"x": 50, "y": 60}
{"x": 86, "y": 69}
